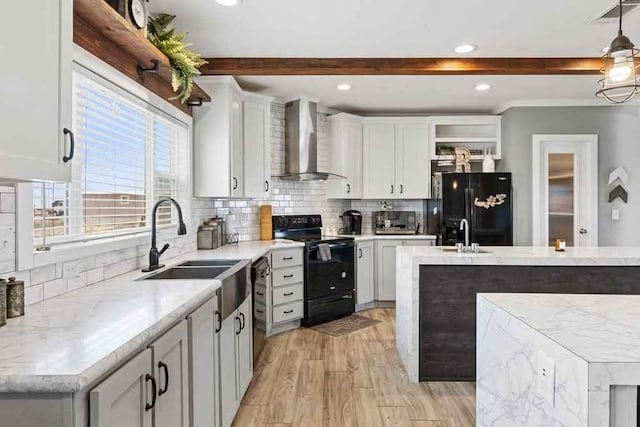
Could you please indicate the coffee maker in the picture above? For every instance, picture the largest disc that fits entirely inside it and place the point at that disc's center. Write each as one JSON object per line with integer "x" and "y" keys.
{"x": 351, "y": 222}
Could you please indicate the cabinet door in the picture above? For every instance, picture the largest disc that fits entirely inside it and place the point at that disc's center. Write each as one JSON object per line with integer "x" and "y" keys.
{"x": 123, "y": 398}
{"x": 171, "y": 369}
{"x": 364, "y": 280}
{"x": 203, "y": 363}
{"x": 237, "y": 146}
{"x": 379, "y": 160}
{"x": 245, "y": 347}
{"x": 36, "y": 90}
{"x": 257, "y": 171}
{"x": 413, "y": 167}
{"x": 386, "y": 254}
{"x": 353, "y": 159}
{"x": 229, "y": 401}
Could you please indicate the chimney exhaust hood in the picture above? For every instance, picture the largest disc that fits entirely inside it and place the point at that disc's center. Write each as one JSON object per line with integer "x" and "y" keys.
{"x": 301, "y": 143}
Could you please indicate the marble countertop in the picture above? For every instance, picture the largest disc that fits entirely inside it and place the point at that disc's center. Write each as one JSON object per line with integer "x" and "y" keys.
{"x": 524, "y": 255}
{"x": 597, "y": 328}
{"x": 370, "y": 236}
{"x": 66, "y": 343}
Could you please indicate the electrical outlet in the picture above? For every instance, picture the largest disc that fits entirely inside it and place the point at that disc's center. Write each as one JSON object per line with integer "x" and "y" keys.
{"x": 546, "y": 378}
{"x": 615, "y": 214}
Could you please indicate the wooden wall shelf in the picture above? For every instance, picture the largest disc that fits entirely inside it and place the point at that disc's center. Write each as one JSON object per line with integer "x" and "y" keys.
{"x": 105, "y": 20}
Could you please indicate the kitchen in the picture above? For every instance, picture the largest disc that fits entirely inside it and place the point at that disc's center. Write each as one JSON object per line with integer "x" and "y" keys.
{"x": 307, "y": 230}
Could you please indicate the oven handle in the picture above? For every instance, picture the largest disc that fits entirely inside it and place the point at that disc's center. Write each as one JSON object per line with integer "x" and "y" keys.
{"x": 337, "y": 245}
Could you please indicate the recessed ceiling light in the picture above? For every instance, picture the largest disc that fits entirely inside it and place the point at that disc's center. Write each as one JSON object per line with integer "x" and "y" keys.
{"x": 229, "y": 2}
{"x": 483, "y": 87}
{"x": 465, "y": 48}
{"x": 344, "y": 86}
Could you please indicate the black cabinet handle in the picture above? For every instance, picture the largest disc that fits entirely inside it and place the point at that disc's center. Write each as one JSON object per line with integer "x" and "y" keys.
{"x": 243, "y": 321}
{"x": 259, "y": 311}
{"x": 287, "y": 258}
{"x": 288, "y": 276}
{"x": 72, "y": 146}
{"x": 219, "y": 317}
{"x": 154, "y": 392}
{"x": 391, "y": 188}
{"x": 235, "y": 183}
{"x": 266, "y": 186}
{"x": 260, "y": 293}
{"x": 348, "y": 188}
{"x": 239, "y": 325}
{"x": 401, "y": 188}
{"x": 359, "y": 253}
{"x": 288, "y": 311}
{"x": 165, "y": 368}
{"x": 287, "y": 294}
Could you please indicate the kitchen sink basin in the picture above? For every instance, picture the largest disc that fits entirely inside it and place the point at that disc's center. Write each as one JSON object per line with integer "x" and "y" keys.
{"x": 188, "y": 273}
{"x": 209, "y": 263}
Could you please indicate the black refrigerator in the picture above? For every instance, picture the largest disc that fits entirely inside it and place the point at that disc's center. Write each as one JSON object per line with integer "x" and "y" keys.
{"x": 485, "y": 200}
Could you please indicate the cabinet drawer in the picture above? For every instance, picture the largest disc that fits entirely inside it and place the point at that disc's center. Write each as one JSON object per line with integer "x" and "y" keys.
{"x": 288, "y": 312}
{"x": 287, "y": 294}
{"x": 287, "y": 258}
{"x": 260, "y": 295}
{"x": 260, "y": 311}
{"x": 287, "y": 276}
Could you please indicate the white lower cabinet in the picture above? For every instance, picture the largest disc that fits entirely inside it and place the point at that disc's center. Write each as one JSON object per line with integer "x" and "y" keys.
{"x": 364, "y": 273}
{"x": 151, "y": 389}
{"x": 204, "y": 368}
{"x": 386, "y": 265}
{"x": 236, "y": 360}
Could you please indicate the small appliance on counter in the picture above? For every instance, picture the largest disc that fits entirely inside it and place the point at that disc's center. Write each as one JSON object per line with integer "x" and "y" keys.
{"x": 351, "y": 223}
{"x": 395, "y": 222}
{"x": 211, "y": 234}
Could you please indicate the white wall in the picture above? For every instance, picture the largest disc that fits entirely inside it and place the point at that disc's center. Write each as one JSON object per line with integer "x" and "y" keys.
{"x": 618, "y": 129}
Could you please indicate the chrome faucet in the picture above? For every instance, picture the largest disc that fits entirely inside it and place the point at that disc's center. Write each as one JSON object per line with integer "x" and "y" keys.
{"x": 154, "y": 254}
{"x": 464, "y": 225}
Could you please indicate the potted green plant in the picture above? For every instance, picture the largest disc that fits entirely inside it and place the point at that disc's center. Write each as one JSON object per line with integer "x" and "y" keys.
{"x": 185, "y": 63}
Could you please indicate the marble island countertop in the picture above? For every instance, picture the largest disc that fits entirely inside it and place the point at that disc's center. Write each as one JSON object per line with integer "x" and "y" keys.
{"x": 371, "y": 236}
{"x": 66, "y": 343}
{"x": 597, "y": 328}
{"x": 522, "y": 255}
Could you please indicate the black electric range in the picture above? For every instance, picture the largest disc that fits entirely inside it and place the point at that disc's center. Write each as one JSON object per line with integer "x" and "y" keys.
{"x": 329, "y": 268}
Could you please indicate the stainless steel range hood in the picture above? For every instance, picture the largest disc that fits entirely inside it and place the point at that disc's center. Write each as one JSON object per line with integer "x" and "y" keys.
{"x": 301, "y": 143}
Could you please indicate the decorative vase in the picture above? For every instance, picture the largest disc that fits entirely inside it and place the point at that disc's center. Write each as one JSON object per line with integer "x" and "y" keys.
{"x": 488, "y": 164}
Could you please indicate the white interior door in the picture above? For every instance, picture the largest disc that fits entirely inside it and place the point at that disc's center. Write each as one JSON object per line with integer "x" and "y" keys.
{"x": 565, "y": 189}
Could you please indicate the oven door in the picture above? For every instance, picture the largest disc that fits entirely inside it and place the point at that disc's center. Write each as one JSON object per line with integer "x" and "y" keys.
{"x": 333, "y": 277}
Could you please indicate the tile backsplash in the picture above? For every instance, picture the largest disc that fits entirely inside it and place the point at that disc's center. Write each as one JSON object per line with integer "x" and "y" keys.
{"x": 241, "y": 216}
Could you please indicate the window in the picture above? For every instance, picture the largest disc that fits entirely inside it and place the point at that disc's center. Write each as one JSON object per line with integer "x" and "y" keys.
{"x": 128, "y": 155}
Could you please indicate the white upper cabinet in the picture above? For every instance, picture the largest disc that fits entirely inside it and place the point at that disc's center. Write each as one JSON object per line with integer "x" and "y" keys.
{"x": 35, "y": 84}
{"x": 396, "y": 158}
{"x": 345, "y": 156}
{"x": 379, "y": 158}
{"x": 217, "y": 146}
{"x": 413, "y": 168}
{"x": 257, "y": 146}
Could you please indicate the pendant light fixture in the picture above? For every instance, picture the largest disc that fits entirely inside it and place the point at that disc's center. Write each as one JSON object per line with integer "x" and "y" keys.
{"x": 621, "y": 81}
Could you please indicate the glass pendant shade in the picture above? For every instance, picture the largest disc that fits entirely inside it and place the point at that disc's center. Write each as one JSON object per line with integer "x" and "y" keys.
{"x": 621, "y": 67}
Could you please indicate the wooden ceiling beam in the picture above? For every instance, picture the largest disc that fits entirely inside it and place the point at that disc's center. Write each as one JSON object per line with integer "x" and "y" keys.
{"x": 401, "y": 66}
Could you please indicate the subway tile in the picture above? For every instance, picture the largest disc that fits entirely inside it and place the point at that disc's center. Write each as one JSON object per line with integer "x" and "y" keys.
{"x": 33, "y": 294}
{"x": 95, "y": 275}
{"x": 54, "y": 288}
{"x": 43, "y": 274}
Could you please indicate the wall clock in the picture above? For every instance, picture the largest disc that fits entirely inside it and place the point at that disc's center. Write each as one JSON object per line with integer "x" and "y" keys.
{"x": 138, "y": 13}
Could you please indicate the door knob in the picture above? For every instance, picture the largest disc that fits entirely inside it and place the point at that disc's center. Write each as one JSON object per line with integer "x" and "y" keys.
{"x": 583, "y": 231}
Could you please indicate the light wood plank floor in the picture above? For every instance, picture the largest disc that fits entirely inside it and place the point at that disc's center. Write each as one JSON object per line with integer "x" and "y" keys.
{"x": 306, "y": 378}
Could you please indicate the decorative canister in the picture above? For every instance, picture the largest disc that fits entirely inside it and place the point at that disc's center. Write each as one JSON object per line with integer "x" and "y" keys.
{"x": 206, "y": 236}
{"x": 15, "y": 298}
{"x": 3, "y": 302}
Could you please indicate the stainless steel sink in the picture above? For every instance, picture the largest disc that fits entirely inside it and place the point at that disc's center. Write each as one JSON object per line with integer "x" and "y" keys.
{"x": 209, "y": 263}
{"x": 188, "y": 273}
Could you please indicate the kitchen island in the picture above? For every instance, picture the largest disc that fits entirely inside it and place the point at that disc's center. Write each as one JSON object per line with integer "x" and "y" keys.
{"x": 562, "y": 360}
{"x": 436, "y": 295}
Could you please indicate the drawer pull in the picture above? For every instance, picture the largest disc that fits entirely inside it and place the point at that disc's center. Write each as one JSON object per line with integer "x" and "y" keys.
{"x": 260, "y": 293}
{"x": 259, "y": 311}
{"x": 287, "y": 258}
{"x": 288, "y": 311}
{"x": 288, "y": 276}
{"x": 288, "y": 294}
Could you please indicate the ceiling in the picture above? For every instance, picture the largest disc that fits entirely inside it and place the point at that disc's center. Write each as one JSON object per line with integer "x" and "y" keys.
{"x": 406, "y": 28}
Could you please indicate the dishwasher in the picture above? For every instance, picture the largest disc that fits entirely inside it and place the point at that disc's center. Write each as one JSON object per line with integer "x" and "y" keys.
{"x": 260, "y": 273}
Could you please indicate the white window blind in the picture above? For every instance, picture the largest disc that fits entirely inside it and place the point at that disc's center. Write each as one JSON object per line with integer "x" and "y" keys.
{"x": 128, "y": 155}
